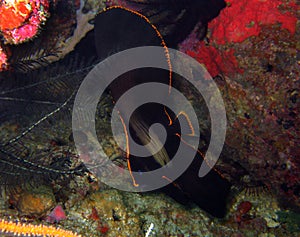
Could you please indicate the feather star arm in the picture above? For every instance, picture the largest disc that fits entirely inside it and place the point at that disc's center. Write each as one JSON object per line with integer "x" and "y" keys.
{"x": 21, "y": 229}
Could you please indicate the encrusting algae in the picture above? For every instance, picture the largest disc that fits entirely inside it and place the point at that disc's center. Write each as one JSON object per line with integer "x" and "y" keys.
{"x": 21, "y": 229}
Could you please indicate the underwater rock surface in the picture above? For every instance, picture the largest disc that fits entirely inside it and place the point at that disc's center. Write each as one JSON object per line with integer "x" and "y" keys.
{"x": 255, "y": 60}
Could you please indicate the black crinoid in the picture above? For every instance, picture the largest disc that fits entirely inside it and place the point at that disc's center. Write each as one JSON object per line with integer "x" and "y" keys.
{"x": 36, "y": 104}
{"x": 35, "y": 107}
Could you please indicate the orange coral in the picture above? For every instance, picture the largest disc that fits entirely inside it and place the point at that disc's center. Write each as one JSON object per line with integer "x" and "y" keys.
{"x": 14, "y": 13}
{"x": 34, "y": 230}
{"x": 21, "y": 19}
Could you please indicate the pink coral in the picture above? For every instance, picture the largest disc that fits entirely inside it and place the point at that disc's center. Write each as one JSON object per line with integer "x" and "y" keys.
{"x": 57, "y": 215}
{"x": 3, "y": 60}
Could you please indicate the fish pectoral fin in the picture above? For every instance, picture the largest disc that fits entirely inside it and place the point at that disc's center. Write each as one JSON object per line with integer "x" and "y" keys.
{"x": 152, "y": 143}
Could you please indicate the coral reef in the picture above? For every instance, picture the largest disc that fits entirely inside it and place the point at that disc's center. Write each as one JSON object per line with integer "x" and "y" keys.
{"x": 110, "y": 212}
{"x": 115, "y": 213}
{"x": 252, "y": 51}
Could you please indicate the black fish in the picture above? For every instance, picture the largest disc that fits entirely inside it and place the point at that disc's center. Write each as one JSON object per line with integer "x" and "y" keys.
{"x": 118, "y": 29}
{"x": 176, "y": 19}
